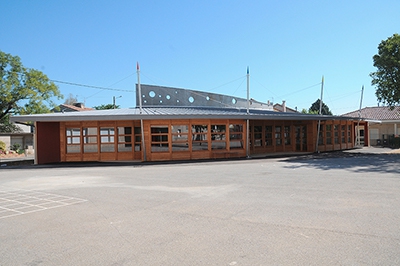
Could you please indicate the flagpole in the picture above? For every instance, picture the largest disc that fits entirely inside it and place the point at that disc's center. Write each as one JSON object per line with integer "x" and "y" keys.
{"x": 139, "y": 95}
{"x": 320, "y": 113}
{"x": 359, "y": 118}
{"x": 247, "y": 112}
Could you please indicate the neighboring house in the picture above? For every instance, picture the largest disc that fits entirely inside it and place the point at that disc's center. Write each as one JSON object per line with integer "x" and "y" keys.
{"x": 24, "y": 138}
{"x": 379, "y": 125}
{"x": 283, "y": 108}
{"x": 75, "y": 107}
{"x": 179, "y": 124}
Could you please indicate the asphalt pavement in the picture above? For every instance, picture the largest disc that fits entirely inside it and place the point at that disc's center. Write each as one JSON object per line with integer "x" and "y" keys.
{"x": 326, "y": 210}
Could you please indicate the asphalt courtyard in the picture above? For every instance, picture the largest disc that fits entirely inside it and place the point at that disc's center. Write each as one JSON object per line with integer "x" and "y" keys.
{"x": 309, "y": 210}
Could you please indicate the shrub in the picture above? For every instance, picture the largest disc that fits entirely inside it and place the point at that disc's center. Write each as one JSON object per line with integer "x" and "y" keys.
{"x": 2, "y": 146}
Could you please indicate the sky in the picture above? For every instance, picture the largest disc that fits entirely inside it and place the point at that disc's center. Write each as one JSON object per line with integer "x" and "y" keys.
{"x": 288, "y": 45}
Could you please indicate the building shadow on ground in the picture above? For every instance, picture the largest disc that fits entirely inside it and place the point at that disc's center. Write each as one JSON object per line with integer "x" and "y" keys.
{"x": 355, "y": 162}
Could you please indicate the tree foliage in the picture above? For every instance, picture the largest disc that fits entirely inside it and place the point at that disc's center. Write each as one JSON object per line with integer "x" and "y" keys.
{"x": 24, "y": 90}
{"x": 314, "y": 109}
{"x": 386, "y": 78}
{"x": 106, "y": 106}
{"x": 6, "y": 126}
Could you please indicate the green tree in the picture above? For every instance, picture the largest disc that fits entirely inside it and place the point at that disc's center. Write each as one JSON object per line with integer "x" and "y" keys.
{"x": 106, "y": 106}
{"x": 314, "y": 109}
{"x": 24, "y": 90}
{"x": 6, "y": 126}
{"x": 387, "y": 76}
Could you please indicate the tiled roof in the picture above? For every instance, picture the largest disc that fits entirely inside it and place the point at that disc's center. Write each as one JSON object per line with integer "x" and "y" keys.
{"x": 377, "y": 113}
{"x": 72, "y": 108}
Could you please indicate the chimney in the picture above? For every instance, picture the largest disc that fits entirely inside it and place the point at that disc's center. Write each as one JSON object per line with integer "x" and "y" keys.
{"x": 284, "y": 106}
{"x": 79, "y": 105}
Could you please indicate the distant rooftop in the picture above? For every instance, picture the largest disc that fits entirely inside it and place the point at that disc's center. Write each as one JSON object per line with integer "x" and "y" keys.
{"x": 377, "y": 113}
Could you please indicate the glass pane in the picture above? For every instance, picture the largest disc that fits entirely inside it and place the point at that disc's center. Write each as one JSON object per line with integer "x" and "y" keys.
{"x": 218, "y": 128}
{"x": 124, "y": 147}
{"x": 124, "y": 130}
{"x": 76, "y": 140}
{"x": 180, "y": 129}
{"x": 107, "y": 131}
{"x": 199, "y": 128}
{"x": 180, "y": 137}
{"x": 217, "y": 145}
{"x": 90, "y": 140}
{"x": 87, "y": 148}
{"x": 199, "y": 146}
{"x": 122, "y": 139}
{"x": 159, "y": 129}
{"x": 177, "y": 146}
{"x": 236, "y": 145}
{"x": 137, "y": 147}
{"x": 73, "y": 148}
{"x": 137, "y": 130}
{"x": 235, "y": 128}
{"x": 237, "y": 136}
{"x": 89, "y": 131}
{"x": 107, "y": 148}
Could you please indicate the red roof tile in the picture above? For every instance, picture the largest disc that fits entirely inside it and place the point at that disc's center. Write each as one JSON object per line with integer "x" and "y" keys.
{"x": 377, "y": 113}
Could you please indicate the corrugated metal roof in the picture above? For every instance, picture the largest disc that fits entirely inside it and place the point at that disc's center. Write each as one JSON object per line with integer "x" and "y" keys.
{"x": 172, "y": 113}
{"x": 377, "y": 113}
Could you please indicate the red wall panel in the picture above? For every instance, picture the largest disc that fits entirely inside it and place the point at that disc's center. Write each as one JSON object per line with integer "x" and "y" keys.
{"x": 48, "y": 142}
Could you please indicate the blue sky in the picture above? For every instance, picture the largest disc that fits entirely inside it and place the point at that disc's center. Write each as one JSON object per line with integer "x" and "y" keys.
{"x": 204, "y": 45}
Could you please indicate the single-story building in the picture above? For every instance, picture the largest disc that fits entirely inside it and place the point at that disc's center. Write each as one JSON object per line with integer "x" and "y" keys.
{"x": 379, "y": 125}
{"x": 181, "y": 124}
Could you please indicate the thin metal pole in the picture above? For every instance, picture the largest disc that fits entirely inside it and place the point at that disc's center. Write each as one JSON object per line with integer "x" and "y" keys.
{"x": 320, "y": 112}
{"x": 247, "y": 121}
{"x": 359, "y": 118}
{"x": 139, "y": 95}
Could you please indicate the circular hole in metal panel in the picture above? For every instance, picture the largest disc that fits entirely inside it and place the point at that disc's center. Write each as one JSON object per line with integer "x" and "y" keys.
{"x": 207, "y": 98}
{"x": 234, "y": 101}
{"x": 191, "y": 99}
{"x": 168, "y": 97}
{"x": 152, "y": 94}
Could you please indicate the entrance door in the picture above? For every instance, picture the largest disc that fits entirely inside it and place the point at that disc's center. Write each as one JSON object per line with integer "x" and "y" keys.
{"x": 301, "y": 138}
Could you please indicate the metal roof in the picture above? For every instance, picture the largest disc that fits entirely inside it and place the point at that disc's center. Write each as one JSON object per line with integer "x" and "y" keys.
{"x": 172, "y": 113}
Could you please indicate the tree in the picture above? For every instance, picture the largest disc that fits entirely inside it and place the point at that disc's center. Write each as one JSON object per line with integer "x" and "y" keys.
{"x": 387, "y": 77}
{"x": 314, "y": 109}
{"x": 106, "y": 106}
{"x": 24, "y": 90}
{"x": 6, "y": 126}
{"x": 71, "y": 99}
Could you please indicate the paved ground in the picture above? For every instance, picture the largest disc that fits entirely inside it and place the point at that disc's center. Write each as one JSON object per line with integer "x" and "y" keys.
{"x": 307, "y": 210}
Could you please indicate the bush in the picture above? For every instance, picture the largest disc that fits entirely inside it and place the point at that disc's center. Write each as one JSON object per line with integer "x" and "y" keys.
{"x": 2, "y": 146}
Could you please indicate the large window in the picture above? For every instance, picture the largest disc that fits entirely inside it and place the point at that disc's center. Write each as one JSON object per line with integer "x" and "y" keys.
{"x": 321, "y": 135}
{"x": 90, "y": 139}
{"x": 199, "y": 137}
{"x": 73, "y": 140}
{"x": 348, "y": 134}
{"x": 287, "y": 135}
{"x": 180, "y": 137}
{"x": 343, "y": 134}
{"x": 159, "y": 138}
{"x": 218, "y": 137}
{"x": 124, "y": 139}
{"x": 336, "y": 132}
{"x": 107, "y": 138}
{"x": 268, "y": 135}
{"x": 138, "y": 139}
{"x": 328, "y": 134}
{"x": 235, "y": 136}
{"x": 278, "y": 135}
{"x": 257, "y": 136}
